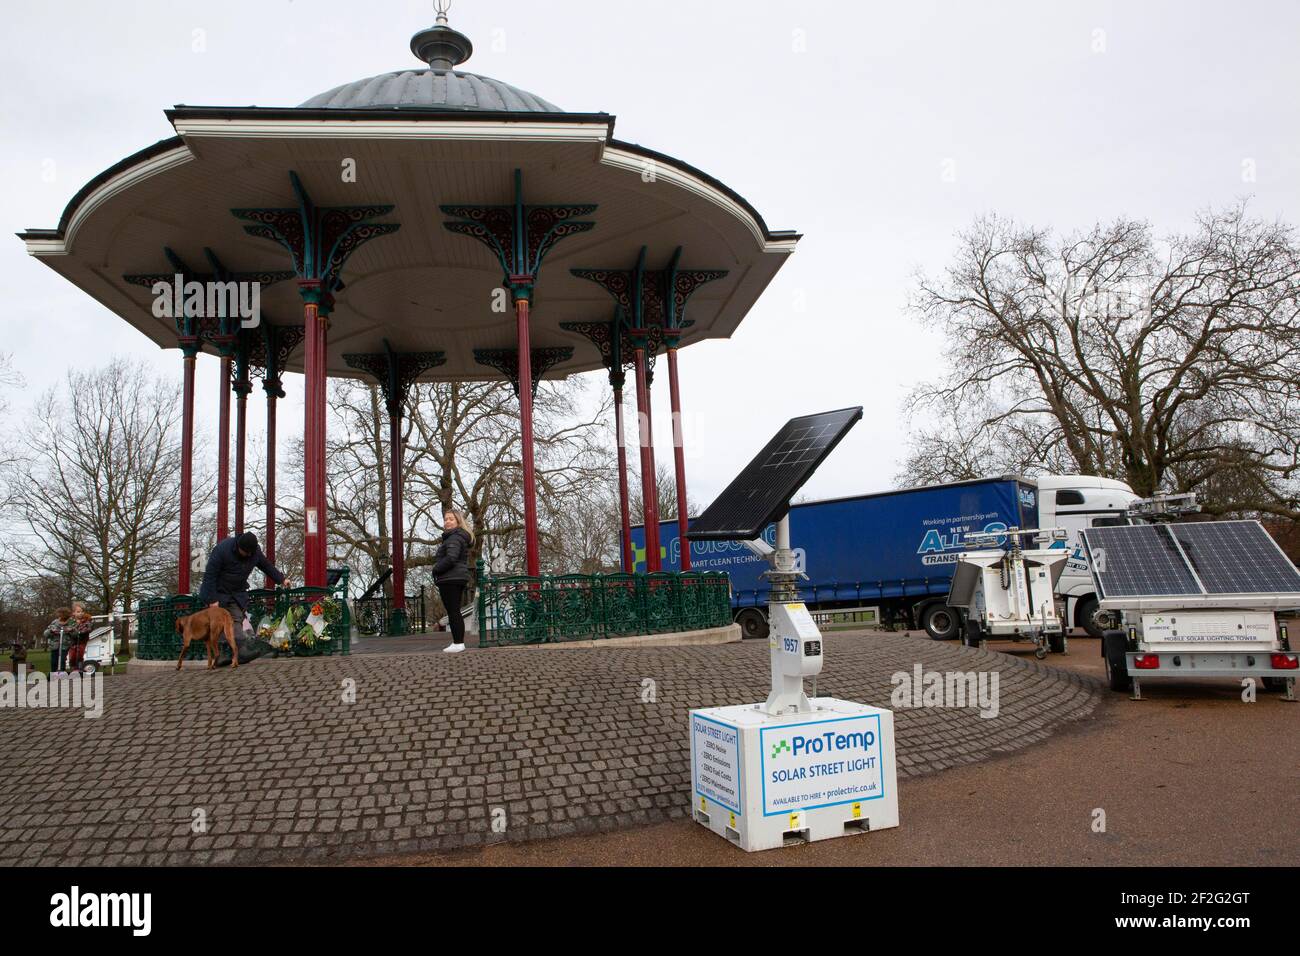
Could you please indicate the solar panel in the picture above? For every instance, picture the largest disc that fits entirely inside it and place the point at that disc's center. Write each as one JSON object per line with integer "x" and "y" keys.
{"x": 761, "y": 493}
{"x": 1197, "y": 559}
{"x": 1236, "y": 557}
{"x": 1138, "y": 561}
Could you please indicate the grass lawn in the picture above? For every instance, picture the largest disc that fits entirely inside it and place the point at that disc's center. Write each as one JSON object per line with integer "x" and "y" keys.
{"x": 38, "y": 659}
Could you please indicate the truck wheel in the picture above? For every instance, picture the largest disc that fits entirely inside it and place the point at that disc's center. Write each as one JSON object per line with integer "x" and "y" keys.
{"x": 753, "y": 624}
{"x": 940, "y": 622}
{"x": 1115, "y": 645}
{"x": 1086, "y": 615}
{"x": 972, "y": 637}
{"x": 1056, "y": 642}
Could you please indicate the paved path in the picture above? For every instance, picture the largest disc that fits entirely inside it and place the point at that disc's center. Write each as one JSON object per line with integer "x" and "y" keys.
{"x": 1190, "y": 776}
{"x": 435, "y": 747}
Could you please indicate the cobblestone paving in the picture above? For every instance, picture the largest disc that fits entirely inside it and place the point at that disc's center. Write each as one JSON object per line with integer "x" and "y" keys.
{"x": 284, "y": 771}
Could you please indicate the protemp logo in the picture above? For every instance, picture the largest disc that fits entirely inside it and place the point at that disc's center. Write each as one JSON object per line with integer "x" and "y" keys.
{"x": 77, "y": 909}
{"x": 830, "y": 742}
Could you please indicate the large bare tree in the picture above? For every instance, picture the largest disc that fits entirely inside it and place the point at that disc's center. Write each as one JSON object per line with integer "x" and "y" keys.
{"x": 461, "y": 449}
{"x": 1170, "y": 364}
{"x": 98, "y": 482}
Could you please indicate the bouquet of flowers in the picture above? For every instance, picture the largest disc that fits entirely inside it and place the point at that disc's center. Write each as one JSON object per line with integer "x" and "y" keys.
{"x": 302, "y": 624}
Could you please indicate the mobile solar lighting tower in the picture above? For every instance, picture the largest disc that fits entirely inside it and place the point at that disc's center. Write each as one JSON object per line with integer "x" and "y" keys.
{"x": 1006, "y": 591}
{"x": 792, "y": 769}
{"x": 1199, "y": 599}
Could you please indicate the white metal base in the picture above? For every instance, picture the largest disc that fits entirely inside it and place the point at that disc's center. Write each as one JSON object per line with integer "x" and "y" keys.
{"x": 762, "y": 782}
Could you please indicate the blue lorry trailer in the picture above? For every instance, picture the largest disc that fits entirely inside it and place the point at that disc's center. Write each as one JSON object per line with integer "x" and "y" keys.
{"x": 894, "y": 551}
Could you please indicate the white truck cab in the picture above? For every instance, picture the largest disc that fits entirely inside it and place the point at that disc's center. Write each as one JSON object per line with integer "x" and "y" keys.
{"x": 1075, "y": 502}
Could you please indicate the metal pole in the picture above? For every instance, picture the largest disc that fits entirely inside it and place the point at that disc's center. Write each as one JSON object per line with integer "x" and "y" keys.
{"x": 312, "y": 527}
{"x": 187, "y": 470}
{"x": 649, "y": 486}
{"x": 629, "y": 558}
{"x": 679, "y": 460}
{"x": 531, "y": 543}
{"x": 272, "y": 387}
{"x": 241, "y": 434}
{"x": 397, "y": 536}
{"x": 223, "y": 452}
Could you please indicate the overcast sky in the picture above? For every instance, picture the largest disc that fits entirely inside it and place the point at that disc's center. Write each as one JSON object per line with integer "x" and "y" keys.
{"x": 877, "y": 130}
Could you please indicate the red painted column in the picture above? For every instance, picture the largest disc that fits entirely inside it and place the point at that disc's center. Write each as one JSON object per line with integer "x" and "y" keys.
{"x": 398, "y": 535}
{"x": 272, "y": 387}
{"x": 679, "y": 459}
{"x": 313, "y": 527}
{"x": 322, "y": 380}
{"x": 187, "y": 469}
{"x": 531, "y": 544}
{"x": 223, "y": 453}
{"x": 649, "y": 493}
{"x": 629, "y": 558}
{"x": 241, "y": 434}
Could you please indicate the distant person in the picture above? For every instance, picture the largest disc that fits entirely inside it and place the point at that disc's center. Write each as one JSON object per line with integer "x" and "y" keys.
{"x": 59, "y": 638}
{"x": 80, "y": 636}
{"x": 451, "y": 574}
{"x": 225, "y": 579}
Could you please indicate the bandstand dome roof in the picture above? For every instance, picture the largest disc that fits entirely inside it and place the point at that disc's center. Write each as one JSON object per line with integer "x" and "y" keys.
{"x": 431, "y": 90}
{"x": 421, "y": 138}
{"x": 440, "y": 87}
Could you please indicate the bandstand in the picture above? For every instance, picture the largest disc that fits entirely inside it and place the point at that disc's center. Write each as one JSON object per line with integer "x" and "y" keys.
{"x": 428, "y": 224}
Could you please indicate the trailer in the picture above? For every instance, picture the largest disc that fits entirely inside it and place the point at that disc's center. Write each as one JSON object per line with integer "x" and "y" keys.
{"x": 1203, "y": 599}
{"x": 1007, "y": 591}
{"x": 890, "y": 556}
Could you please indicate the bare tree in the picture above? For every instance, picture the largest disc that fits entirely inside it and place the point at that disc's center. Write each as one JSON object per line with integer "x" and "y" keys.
{"x": 98, "y": 484}
{"x": 461, "y": 449}
{"x": 1167, "y": 364}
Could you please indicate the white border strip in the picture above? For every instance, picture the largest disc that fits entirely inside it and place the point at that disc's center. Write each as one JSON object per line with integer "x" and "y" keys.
{"x": 121, "y": 182}
{"x": 489, "y": 130}
{"x": 638, "y": 164}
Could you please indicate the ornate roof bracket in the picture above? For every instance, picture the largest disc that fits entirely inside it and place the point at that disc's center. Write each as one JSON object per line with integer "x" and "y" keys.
{"x": 506, "y": 361}
{"x": 519, "y": 236}
{"x": 319, "y": 239}
{"x": 395, "y": 372}
{"x": 653, "y": 298}
{"x": 217, "y": 330}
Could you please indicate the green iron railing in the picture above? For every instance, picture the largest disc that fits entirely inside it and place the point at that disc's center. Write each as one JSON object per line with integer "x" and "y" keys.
{"x": 157, "y": 640}
{"x": 573, "y": 607}
{"x": 374, "y": 616}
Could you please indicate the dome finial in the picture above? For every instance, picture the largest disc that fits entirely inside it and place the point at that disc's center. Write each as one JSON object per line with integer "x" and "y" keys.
{"x": 440, "y": 46}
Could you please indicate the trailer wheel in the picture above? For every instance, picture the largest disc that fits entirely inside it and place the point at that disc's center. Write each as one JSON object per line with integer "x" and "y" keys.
{"x": 1114, "y": 645}
{"x": 753, "y": 624}
{"x": 89, "y": 668}
{"x": 940, "y": 621}
{"x": 1087, "y": 615}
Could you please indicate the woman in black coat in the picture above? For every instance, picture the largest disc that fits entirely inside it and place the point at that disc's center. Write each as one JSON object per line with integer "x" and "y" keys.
{"x": 451, "y": 574}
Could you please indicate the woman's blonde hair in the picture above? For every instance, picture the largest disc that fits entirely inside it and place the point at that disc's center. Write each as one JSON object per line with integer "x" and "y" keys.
{"x": 460, "y": 521}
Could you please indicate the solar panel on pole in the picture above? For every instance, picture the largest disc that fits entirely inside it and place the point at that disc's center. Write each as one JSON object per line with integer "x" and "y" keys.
{"x": 761, "y": 493}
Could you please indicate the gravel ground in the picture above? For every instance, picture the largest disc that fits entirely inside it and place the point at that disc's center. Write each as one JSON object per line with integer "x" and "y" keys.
{"x": 1189, "y": 776}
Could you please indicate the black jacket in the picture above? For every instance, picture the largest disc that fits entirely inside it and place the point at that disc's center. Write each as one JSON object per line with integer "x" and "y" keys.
{"x": 451, "y": 560}
{"x": 225, "y": 579}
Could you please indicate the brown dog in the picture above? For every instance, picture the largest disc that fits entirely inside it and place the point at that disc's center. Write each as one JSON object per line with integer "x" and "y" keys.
{"x": 208, "y": 626}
